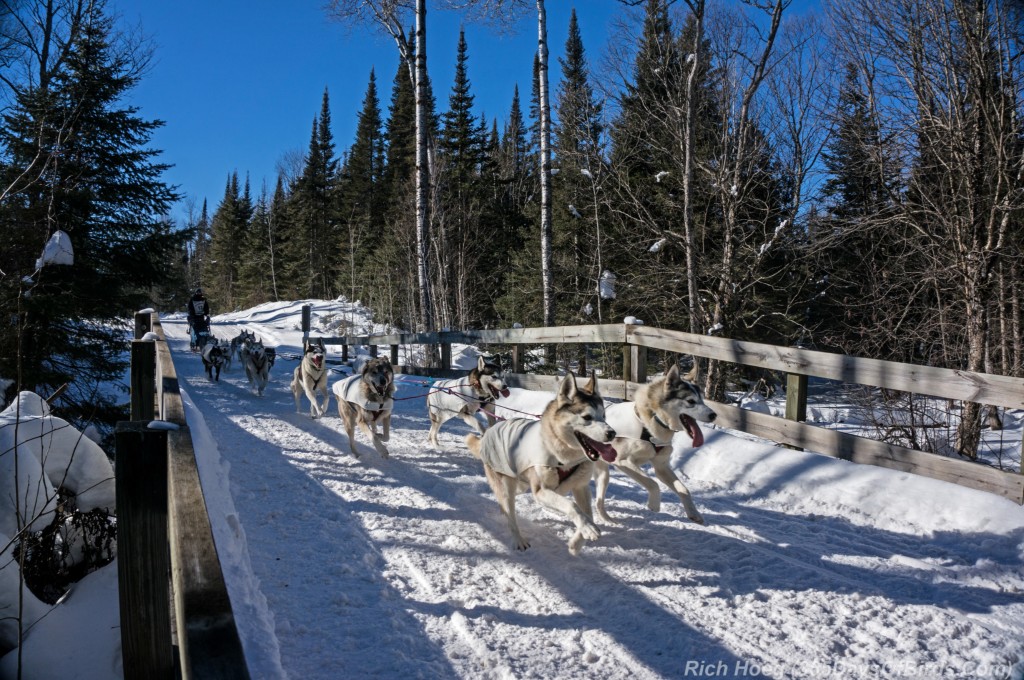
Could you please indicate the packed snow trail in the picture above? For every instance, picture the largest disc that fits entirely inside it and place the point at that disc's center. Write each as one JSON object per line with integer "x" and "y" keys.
{"x": 808, "y": 567}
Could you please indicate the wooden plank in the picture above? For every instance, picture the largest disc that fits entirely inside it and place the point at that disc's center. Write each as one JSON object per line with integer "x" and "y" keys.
{"x": 140, "y": 471}
{"x": 868, "y": 451}
{"x": 938, "y": 382}
{"x": 170, "y": 407}
{"x": 609, "y": 389}
{"x": 607, "y": 333}
{"x": 208, "y": 642}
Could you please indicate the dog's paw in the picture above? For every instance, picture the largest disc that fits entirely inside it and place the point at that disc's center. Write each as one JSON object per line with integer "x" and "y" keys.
{"x": 522, "y": 543}
{"x": 696, "y": 517}
{"x": 654, "y": 502}
{"x": 589, "y": 531}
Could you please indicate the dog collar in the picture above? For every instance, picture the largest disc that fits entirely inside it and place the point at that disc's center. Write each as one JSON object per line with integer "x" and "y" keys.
{"x": 646, "y": 435}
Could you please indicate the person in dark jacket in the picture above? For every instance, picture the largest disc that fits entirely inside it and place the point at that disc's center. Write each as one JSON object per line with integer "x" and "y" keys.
{"x": 198, "y": 312}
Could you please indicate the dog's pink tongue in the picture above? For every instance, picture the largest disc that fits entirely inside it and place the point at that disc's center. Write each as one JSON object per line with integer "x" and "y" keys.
{"x": 694, "y": 429}
{"x": 606, "y": 450}
{"x": 505, "y": 392}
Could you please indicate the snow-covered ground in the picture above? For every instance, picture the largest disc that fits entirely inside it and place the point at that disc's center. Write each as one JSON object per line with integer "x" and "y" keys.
{"x": 808, "y": 567}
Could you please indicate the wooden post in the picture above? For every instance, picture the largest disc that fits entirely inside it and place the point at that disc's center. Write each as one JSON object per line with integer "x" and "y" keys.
{"x": 142, "y": 557}
{"x": 394, "y": 355}
{"x": 796, "y": 401}
{"x": 344, "y": 353}
{"x": 627, "y": 363}
{"x": 306, "y": 322}
{"x": 446, "y": 355}
{"x": 637, "y": 364}
{"x": 373, "y": 350}
{"x": 143, "y": 379}
{"x": 143, "y": 324}
{"x": 517, "y": 358}
{"x": 796, "y": 397}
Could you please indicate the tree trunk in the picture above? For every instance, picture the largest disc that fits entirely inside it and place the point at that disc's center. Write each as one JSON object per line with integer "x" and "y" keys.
{"x": 697, "y": 9}
{"x": 422, "y": 170}
{"x": 545, "y": 168}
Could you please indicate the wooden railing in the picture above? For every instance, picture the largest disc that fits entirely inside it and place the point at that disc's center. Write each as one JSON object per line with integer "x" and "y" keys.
{"x": 798, "y": 364}
{"x": 166, "y": 551}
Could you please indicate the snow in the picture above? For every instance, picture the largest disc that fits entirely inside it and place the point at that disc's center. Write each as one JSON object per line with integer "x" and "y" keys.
{"x": 57, "y": 250}
{"x": 808, "y": 566}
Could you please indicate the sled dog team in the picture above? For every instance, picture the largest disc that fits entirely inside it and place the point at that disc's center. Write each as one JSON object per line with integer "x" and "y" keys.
{"x": 576, "y": 439}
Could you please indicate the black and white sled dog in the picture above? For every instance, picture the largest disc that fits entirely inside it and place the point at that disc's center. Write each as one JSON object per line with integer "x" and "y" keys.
{"x": 214, "y": 357}
{"x": 311, "y": 377}
{"x": 463, "y": 397}
{"x": 644, "y": 429}
{"x": 365, "y": 399}
{"x": 551, "y": 457}
{"x": 257, "y": 365}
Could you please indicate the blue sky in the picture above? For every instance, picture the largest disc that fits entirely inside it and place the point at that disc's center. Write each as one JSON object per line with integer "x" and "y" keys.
{"x": 238, "y": 82}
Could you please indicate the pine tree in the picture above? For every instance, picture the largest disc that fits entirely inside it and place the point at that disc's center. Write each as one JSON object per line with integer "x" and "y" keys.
{"x": 459, "y": 242}
{"x": 858, "y": 240}
{"x": 227, "y": 233}
{"x": 361, "y": 192}
{"x": 578, "y": 150}
{"x": 315, "y": 215}
{"x": 107, "y": 195}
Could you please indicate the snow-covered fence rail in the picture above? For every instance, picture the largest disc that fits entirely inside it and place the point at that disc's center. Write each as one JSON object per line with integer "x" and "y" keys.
{"x": 164, "y": 530}
{"x": 798, "y": 364}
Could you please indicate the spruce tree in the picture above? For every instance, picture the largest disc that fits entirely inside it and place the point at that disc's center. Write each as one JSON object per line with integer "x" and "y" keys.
{"x": 578, "y": 147}
{"x": 227, "y": 234}
{"x": 96, "y": 179}
{"x": 460, "y": 245}
{"x": 362, "y": 223}
{"x": 315, "y": 214}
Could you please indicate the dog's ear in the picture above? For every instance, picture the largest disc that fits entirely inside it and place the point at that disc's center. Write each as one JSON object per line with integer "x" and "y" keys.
{"x": 567, "y": 389}
{"x": 480, "y": 363}
{"x": 320, "y": 343}
{"x": 591, "y": 385}
{"x": 693, "y": 375}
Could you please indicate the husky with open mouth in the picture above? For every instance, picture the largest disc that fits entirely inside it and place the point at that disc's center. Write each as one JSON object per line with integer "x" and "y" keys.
{"x": 463, "y": 397}
{"x": 644, "y": 429}
{"x": 311, "y": 377}
{"x": 550, "y": 457}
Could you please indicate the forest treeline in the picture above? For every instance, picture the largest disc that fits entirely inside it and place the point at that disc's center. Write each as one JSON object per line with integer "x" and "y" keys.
{"x": 849, "y": 180}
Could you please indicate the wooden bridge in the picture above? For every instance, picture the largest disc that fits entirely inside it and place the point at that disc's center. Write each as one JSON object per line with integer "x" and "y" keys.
{"x": 177, "y": 619}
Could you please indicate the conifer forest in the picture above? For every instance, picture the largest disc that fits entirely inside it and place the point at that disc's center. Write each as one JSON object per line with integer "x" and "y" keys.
{"x": 849, "y": 179}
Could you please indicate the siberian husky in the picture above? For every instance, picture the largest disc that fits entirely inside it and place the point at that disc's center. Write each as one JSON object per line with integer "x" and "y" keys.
{"x": 551, "y": 457}
{"x": 311, "y": 377}
{"x": 463, "y": 397}
{"x": 257, "y": 366}
{"x": 214, "y": 358}
{"x": 644, "y": 428}
{"x": 365, "y": 399}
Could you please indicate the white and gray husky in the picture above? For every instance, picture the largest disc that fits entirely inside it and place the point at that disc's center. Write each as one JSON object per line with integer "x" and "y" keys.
{"x": 311, "y": 377}
{"x": 257, "y": 365}
{"x": 551, "y": 457}
{"x": 463, "y": 397}
{"x": 365, "y": 399}
{"x": 644, "y": 429}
